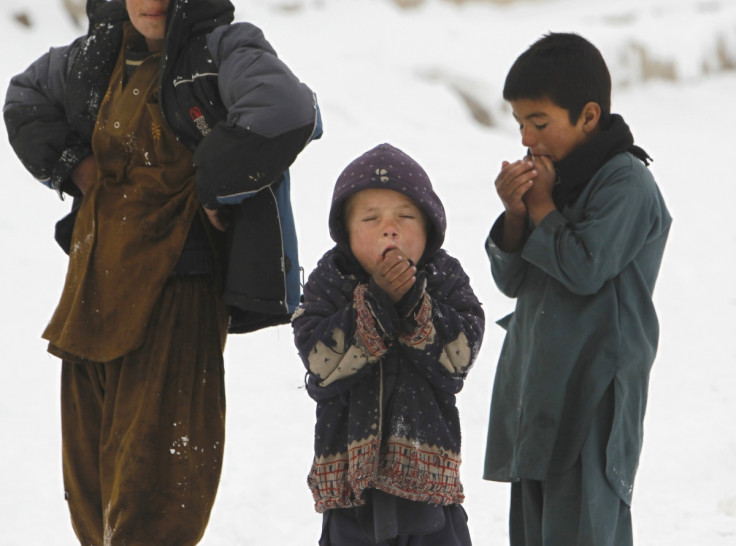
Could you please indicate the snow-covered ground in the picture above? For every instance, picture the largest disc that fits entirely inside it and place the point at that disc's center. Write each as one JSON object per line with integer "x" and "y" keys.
{"x": 407, "y": 77}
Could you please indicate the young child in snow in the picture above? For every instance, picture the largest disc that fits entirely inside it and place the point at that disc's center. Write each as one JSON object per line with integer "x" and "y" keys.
{"x": 579, "y": 246}
{"x": 388, "y": 330}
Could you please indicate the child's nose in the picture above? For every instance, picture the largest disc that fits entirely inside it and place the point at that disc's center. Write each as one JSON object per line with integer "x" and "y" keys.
{"x": 389, "y": 230}
{"x": 527, "y": 138}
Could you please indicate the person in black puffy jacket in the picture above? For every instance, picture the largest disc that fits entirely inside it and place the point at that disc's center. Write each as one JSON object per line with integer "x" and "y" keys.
{"x": 173, "y": 129}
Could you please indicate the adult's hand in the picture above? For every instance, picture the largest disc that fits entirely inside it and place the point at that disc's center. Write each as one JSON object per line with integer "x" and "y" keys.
{"x": 216, "y": 218}
{"x": 85, "y": 173}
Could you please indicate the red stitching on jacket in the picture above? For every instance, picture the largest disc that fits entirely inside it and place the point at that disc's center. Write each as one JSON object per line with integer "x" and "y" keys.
{"x": 366, "y": 324}
{"x": 425, "y": 327}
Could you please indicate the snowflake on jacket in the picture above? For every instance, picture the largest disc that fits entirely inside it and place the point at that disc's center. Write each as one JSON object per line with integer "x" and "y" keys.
{"x": 385, "y": 375}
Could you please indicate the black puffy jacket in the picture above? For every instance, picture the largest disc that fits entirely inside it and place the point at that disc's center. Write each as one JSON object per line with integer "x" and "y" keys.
{"x": 227, "y": 96}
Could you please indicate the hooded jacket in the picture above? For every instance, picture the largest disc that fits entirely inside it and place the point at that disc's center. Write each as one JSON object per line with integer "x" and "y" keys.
{"x": 385, "y": 376}
{"x": 227, "y": 97}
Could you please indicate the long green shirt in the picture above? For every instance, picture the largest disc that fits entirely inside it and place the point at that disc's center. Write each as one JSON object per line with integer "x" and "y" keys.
{"x": 584, "y": 319}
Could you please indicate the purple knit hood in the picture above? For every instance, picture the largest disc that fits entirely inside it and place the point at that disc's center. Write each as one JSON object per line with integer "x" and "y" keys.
{"x": 388, "y": 168}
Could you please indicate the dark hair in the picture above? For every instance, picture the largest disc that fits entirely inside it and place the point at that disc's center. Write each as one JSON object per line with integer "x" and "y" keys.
{"x": 565, "y": 68}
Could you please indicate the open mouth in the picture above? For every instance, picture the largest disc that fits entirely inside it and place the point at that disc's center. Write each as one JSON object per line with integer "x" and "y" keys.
{"x": 388, "y": 249}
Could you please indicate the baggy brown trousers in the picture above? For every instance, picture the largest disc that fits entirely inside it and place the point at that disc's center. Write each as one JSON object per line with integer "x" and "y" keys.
{"x": 143, "y": 435}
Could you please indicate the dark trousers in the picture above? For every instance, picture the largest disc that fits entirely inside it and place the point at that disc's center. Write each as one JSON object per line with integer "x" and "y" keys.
{"x": 143, "y": 435}
{"x": 577, "y": 507}
{"x": 342, "y": 528}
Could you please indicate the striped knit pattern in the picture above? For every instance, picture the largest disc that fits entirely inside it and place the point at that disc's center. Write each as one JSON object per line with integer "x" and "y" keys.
{"x": 406, "y": 469}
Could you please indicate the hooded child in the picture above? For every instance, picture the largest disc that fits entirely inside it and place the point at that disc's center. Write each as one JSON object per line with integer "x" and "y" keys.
{"x": 388, "y": 331}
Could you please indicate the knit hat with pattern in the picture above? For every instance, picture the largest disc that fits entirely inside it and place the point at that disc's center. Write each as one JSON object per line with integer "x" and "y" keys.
{"x": 388, "y": 168}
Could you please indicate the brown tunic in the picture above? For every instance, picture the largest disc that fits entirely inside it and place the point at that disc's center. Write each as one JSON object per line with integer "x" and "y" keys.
{"x": 132, "y": 223}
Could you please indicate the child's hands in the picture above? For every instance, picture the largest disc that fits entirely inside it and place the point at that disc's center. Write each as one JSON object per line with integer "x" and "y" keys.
{"x": 512, "y": 183}
{"x": 543, "y": 182}
{"x": 396, "y": 274}
{"x": 538, "y": 197}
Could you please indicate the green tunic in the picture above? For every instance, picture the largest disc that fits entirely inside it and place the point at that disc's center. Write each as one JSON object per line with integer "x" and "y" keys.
{"x": 584, "y": 319}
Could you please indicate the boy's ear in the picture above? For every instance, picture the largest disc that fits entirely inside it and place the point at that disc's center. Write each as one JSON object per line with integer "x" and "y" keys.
{"x": 590, "y": 116}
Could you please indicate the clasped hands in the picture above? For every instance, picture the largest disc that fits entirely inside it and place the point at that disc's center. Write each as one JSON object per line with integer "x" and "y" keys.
{"x": 525, "y": 187}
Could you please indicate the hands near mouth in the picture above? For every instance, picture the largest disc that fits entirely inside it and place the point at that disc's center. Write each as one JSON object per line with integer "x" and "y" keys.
{"x": 525, "y": 187}
{"x": 396, "y": 274}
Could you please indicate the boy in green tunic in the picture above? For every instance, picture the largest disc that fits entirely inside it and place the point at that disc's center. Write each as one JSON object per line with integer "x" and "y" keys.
{"x": 579, "y": 246}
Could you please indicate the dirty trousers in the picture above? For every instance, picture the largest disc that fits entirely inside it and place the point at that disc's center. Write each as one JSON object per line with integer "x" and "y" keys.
{"x": 143, "y": 435}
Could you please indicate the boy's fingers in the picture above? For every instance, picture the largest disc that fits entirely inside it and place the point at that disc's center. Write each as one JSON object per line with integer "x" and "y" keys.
{"x": 521, "y": 189}
{"x": 544, "y": 162}
{"x": 404, "y": 288}
{"x": 522, "y": 169}
{"x": 390, "y": 262}
{"x": 394, "y": 257}
{"x": 399, "y": 273}
{"x": 396, "y": 275}
{"x": 517, "y": 187}
{"x": 401, "y": 286}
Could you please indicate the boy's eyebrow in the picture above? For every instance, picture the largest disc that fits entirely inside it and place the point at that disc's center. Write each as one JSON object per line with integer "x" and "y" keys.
{"x": 532, "y": 115}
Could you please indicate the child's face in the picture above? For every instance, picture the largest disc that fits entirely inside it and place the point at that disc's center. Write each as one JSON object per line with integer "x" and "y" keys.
{"x": 380, "y": 220}
{"x": 149, "y": 18}
{"x": 546, "y": 129}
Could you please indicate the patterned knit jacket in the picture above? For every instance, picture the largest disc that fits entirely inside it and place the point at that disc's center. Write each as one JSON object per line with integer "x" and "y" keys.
{"x": 385, "y": 378}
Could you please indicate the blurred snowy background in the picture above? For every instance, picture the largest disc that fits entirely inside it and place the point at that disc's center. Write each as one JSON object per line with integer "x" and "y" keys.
{"x": 427, "y": 77}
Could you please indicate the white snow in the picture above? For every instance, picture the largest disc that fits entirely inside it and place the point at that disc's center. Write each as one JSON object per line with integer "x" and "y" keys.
{"x": 387, "y": 74}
